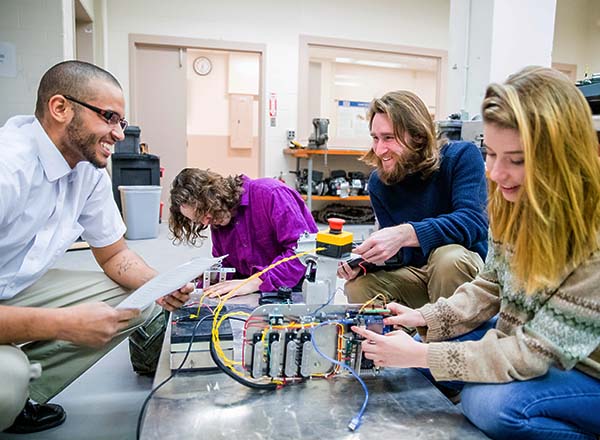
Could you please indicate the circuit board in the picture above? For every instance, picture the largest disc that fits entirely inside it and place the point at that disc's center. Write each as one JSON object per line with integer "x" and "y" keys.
{"x": 289, "y": 342}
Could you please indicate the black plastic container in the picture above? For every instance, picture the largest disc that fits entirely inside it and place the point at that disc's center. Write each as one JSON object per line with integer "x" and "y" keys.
{"x": 134, "y": 169}
{"x": 131, "y": 143}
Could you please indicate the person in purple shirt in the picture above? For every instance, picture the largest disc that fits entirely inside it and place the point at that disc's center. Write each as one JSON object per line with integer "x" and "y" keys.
{"x": 256, "y": 222}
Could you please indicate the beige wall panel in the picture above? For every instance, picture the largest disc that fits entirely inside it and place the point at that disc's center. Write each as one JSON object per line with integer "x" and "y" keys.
{"x": 213, "y": 152}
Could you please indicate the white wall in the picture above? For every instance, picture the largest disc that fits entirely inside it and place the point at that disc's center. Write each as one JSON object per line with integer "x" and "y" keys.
{"x": 521, "y": 39}
{"x": 36, "y": 29}
{"x": 278, "y": 25}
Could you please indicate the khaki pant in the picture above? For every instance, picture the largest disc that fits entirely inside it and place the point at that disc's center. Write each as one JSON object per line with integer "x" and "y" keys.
{"x": 447, "y": 268}
{"x": 61, "y": 362}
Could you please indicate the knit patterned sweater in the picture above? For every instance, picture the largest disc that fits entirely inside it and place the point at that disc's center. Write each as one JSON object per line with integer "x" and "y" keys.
{"x": 559, "y": 327}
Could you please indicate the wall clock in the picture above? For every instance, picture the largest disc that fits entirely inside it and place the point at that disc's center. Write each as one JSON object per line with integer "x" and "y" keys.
{"x": 202, "y": 66}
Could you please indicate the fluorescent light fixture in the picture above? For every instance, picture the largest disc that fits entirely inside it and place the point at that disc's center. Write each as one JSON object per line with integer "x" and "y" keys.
{"x": 371, "y": 63}
{"x": 385, "y": 64}
{"x": 346, "y": 84}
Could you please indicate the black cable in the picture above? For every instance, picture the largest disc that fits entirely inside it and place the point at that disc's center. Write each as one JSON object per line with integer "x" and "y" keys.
{"x": 173, "y": 374}
{"x": 217, "y": 360}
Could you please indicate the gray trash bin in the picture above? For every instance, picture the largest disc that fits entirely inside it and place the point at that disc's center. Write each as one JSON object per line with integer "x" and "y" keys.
{"x": 141, "y": 206}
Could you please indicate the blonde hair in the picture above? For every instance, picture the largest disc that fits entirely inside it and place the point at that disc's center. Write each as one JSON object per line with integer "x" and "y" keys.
{"x": 409, "y": 115}
{"x": 553, "y": 226}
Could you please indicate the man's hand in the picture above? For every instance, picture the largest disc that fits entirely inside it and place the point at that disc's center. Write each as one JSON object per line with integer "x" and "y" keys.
{"x": 404, "y": 316}
{"x": 387, "y": 242}
{"x": 345, "y": 272}
{"x": 223, "y": 288}
{"x": 92, "y": 324}
{"x": 395, "y": 349}
{"x": 176, "y": 299}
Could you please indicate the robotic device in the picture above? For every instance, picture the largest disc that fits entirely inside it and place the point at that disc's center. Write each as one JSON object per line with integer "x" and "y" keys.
{"x": 289, "y": 342}
{"x": 319, "y": 137}
{"x": 286, "y": 343}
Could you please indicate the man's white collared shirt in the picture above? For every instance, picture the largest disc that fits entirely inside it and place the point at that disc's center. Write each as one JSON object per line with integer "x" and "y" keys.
{"x": 45, "y": 205}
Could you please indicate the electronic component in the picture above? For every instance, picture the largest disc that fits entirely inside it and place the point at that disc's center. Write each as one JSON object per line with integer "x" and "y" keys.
{"x": 288, "y": 341}
{"x": 283, "y": 295}
{"x": 275, "y": 354}
{"x": 336, "y": 242}
{"x": 182, "y": 328}
{"x": 257, "y": 356}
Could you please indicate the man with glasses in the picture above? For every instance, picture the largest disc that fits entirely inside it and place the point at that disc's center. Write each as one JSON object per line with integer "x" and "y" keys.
{"x": 54, "y": 189}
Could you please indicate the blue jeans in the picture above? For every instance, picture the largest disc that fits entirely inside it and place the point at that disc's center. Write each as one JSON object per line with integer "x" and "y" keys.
{"x": 559, "y": 405}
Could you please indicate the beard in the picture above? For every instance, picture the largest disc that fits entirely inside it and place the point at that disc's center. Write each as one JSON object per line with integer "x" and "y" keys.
{"x": 405, "y": 165}
{"x": 79, "y": 141}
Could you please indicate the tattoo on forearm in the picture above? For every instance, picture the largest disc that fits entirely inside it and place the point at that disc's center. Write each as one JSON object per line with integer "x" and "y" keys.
{"x": 123, "y": 266}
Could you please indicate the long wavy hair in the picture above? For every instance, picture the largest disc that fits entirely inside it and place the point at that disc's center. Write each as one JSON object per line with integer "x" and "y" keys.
{"x": 409, "y": 116}
{"x": 553, "y": 226}
{"x": 208, "y": 193}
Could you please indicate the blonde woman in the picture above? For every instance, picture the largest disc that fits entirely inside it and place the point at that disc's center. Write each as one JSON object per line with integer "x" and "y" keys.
{"x": 525, "y": 334}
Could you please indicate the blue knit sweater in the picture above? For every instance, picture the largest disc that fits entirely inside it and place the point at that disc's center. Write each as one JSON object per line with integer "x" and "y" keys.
{"x": 447, "y": 208}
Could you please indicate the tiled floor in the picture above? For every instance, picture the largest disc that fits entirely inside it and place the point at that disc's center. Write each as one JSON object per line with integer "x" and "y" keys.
{"x": 104, "y": 402}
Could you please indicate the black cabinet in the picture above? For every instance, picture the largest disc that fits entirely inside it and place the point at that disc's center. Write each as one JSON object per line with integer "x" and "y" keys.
{"x": 134, "y": 169}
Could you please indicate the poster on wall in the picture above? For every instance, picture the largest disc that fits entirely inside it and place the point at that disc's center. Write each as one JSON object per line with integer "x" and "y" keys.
{"x": 352, "y": 119}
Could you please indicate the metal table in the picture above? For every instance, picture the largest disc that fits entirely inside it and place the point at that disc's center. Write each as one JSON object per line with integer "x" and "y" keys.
{"x": 402, "y": 405}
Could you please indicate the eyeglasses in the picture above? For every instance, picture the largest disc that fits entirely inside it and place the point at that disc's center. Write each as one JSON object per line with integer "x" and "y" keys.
{"x": 108, "y": 115}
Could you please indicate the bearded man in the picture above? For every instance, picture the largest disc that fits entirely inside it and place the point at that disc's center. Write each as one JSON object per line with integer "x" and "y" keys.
{"x": 429, "y": 198}
{"x": 55, "y": 324}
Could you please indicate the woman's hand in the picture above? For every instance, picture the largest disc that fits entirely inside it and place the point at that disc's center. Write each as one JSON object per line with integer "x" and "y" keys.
{"x": 395, "y": 349}
{"x": 221, "y": 289}
{"x": 404, "y": 316}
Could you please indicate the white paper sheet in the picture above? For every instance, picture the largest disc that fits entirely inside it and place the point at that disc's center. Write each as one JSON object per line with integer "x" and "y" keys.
{"x": 167, "y": 282}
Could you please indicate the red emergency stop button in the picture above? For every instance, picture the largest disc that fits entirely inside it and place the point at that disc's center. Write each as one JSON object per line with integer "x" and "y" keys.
{"x": 335, "y": 225}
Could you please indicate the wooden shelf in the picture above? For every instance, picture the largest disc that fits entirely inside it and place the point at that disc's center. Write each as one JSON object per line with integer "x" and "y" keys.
{"x": 338, "y": 198}
{"x": 304, "y": 153}
{"x": 308, "y": 155}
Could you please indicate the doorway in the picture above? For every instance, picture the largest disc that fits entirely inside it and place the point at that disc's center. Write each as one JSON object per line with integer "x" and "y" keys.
{"x": 338, "y": 78}
{"x": 84, "y": 34}
{"x": 199, "y": 104}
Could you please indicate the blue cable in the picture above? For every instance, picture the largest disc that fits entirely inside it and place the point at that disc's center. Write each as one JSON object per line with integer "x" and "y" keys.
{"x": 356, "y": 420}
{"x": 331, "y": 296}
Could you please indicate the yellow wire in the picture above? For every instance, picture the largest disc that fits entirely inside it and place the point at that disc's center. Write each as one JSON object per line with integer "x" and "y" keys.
{"x": 217, "y": 322}
{"x": 225, "y": 359}
{"x": 373, "y": 299}
{"x": 197, "y": 315}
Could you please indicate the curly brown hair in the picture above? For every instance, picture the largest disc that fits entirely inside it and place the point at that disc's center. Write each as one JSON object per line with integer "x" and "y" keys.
{"x": 208, "y": 193}
{"x": 409, "y": 115}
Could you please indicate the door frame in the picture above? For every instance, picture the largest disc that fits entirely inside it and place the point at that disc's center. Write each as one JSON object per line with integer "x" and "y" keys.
{"x": 200, "y": 43}
{"x": 441, "y": 56}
